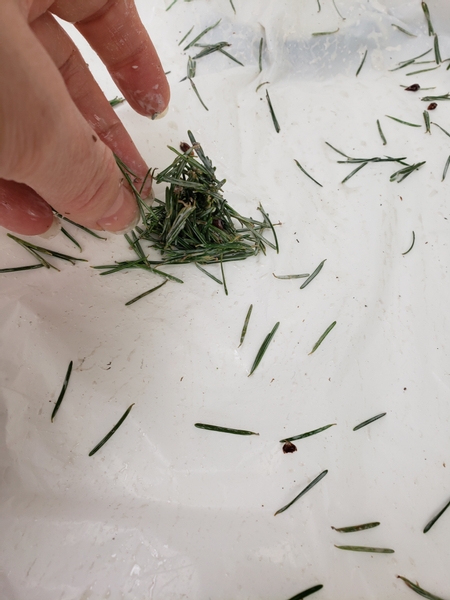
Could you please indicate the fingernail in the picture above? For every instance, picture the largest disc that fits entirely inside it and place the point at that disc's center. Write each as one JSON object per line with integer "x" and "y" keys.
{"x": 159, "y": 115}
{"x": 123, "y": 214}
{"x": 148, "y": 199}
{"x": 53, "y": 230}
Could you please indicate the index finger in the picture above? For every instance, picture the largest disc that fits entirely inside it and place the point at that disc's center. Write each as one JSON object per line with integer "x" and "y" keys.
{"x": 114, "y": 30}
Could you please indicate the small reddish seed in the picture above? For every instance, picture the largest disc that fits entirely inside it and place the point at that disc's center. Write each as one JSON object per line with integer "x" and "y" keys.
{"x": 432, "y": 106}
{"x": 218, "y": 223}
{"x": 413, "y": 88}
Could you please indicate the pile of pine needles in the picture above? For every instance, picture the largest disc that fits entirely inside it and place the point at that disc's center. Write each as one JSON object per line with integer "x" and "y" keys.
{"x": 194, "y": 224}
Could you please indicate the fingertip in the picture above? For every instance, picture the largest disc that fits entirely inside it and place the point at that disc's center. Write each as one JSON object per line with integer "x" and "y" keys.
{"x": 152, "y": 102}
{"x": 22, "y": 210}
{"x": 123, "y": 214}
{"x": 144, "y": 84}
{"x": 53, "y": 230}
{"x": 160, "y": 115}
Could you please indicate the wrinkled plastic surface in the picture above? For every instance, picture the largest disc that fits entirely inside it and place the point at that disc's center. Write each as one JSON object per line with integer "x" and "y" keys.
{"x": 166, "y": 511}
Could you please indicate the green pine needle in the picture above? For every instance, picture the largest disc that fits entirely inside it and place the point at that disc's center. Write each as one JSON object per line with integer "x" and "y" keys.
{"x": 112, "y": 432}
{"x": 362, "y": 63}
{"x": 322, "y": 337}
{"x": 307, "y": 488}
{"x": 224, "y": 429}
{"x": 116, "y": 101}
{"x": 200, "y": 35}
{"x": 319, "y": 33}
{"x": 38, "y": 251}
{"x": 245, "y": 326}
{"x": 307, "y": 434}
{"x": 354, "y": 528}
{"x": 403, "y": 122}
{"x": 313, "y": 274}
{"x": 63, "y": 390}
{"x": 144, "y": 294}
{"x": 447, "y": 164}
{"x": 369, "y": 421}
{"x": 260, "y": 54}
{"x": 263, "y": 348}
{"x": 366, "y": 549}
{"x": 426, "y": 12}
{"x": 380, "y": 131}
{"x": 210, "y": 275}
{"x": 435, "y": 518}
{"x": 307, "y": 174}
{"x": 415, "y": 587}
{"x": 272, "y": 113}
{"x": 412, "y": 244}
{"x": 25, "y": 268}
{"x": 403, "y": 30}
{"x": 309, "y": 591}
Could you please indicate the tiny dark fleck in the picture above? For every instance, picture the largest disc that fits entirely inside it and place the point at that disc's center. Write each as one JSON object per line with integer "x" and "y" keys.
{"x": 94, "y": 138}
{"x": 289, "y": 447}
{"x": 404, "y": 389}
{"x": 413, "y": 88}
{"x": 432, "y": 106}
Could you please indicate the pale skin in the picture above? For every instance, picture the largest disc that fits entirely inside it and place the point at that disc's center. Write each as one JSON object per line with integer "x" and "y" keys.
{"x": 57, "y": 130}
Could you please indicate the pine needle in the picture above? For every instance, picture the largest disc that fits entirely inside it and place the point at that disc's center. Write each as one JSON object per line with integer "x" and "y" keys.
{"x": 412, "y": 244}
{"x": 307, "y": 434}
{"x": 380, "y": 131}
{"x": 307, "y": 488}
{"x": 307, "y": 592}
{"x": 313, "y": 274}
{"x": 112, "y": 432}
{"x": 369, "y": 421}
{"x": 435, "y": 518}
{"x": 272, "y": 113}
{"x": 200, "y": 35}
{"x": 224, "y": 429}
{"x": 263, "y": 348}
{"x": 63, "y": 390}
{"x": 362, "y": 63}
{"x": 366, "y": 549}
{"x": 246, "y": 322}
{"x": 144, "y": 294}
{"x": 415, "y": 587}
{"x": 322, "y": 337}
{"x": 354, "y": 528}
{"x": 307, "y": 174}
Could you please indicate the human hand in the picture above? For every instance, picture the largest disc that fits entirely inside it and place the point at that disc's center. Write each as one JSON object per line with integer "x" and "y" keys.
{"x": 58, "y": 132}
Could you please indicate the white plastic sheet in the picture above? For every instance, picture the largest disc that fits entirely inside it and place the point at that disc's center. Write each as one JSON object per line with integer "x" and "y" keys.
{"x": 167, "y": 511}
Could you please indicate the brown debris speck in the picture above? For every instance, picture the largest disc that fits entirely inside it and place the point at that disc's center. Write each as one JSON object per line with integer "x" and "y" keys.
{"x": 289, "y": 447}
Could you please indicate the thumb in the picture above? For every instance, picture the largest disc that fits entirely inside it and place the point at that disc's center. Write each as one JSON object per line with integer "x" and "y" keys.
{"x": 45, "y": 142}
